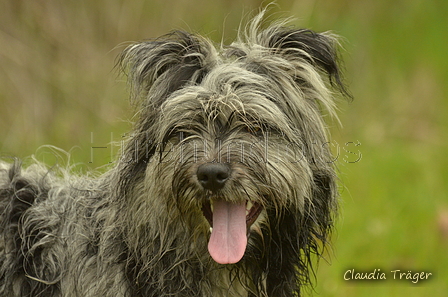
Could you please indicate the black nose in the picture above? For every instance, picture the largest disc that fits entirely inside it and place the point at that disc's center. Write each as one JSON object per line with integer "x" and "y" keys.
{"x": 213, "y": 176}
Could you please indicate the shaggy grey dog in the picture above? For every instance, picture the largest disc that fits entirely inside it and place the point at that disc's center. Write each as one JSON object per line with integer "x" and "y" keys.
{"x": 226, "y": 186}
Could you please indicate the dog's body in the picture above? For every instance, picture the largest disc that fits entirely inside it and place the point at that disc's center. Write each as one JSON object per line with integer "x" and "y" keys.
{"x": 230, "y": 138}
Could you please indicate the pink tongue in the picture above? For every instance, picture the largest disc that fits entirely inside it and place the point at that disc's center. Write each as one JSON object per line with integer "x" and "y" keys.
{"x": 228, "y": 240}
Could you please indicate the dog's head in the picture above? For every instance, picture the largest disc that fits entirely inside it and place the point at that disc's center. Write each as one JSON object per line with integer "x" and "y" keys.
{"x": 233, "y": 139}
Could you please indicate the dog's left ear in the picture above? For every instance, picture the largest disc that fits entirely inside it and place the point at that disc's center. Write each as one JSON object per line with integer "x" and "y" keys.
{"x": 159, "y": 67}
{"x": 318, "y": 49}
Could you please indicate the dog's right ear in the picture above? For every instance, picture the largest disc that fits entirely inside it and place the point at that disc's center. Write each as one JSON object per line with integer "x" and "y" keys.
{"x": 157, "y": 68}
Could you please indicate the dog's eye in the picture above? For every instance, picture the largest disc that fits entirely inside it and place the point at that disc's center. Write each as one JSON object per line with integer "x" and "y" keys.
{"x": 254, "y": 130}
{"x": 176, "y": 136}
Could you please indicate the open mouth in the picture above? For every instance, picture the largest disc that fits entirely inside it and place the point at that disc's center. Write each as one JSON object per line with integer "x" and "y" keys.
{"x": 230, "y": 224}
{"x": 253, "y": 210}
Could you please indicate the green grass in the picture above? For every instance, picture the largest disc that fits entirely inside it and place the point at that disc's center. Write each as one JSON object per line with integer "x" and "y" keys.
{"x": 388, "y": 222}
{"x": 57, "y": 86}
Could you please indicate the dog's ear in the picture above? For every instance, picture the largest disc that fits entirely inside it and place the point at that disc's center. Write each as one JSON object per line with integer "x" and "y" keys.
{"x": 159, "y": 67}
{"x": 318, "y": 49}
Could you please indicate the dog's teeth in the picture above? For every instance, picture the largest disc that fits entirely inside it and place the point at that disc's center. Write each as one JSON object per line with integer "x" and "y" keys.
{"x": 248, "y": 207}
{"x": 211, "y": 229}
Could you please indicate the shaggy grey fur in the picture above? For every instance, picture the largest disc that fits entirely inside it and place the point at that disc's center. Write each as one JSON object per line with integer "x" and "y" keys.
{"x": 228, "y": 124}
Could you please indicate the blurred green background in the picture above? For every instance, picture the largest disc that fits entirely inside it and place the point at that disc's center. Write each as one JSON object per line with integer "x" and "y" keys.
{"x": 58, "y": 86}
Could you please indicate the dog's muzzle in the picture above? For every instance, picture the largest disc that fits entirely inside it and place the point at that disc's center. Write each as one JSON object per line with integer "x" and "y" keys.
{"x": 230, "y": 221}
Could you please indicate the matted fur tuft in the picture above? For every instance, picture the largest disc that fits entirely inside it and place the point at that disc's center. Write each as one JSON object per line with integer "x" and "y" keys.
{"x": 218, "y": 127}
